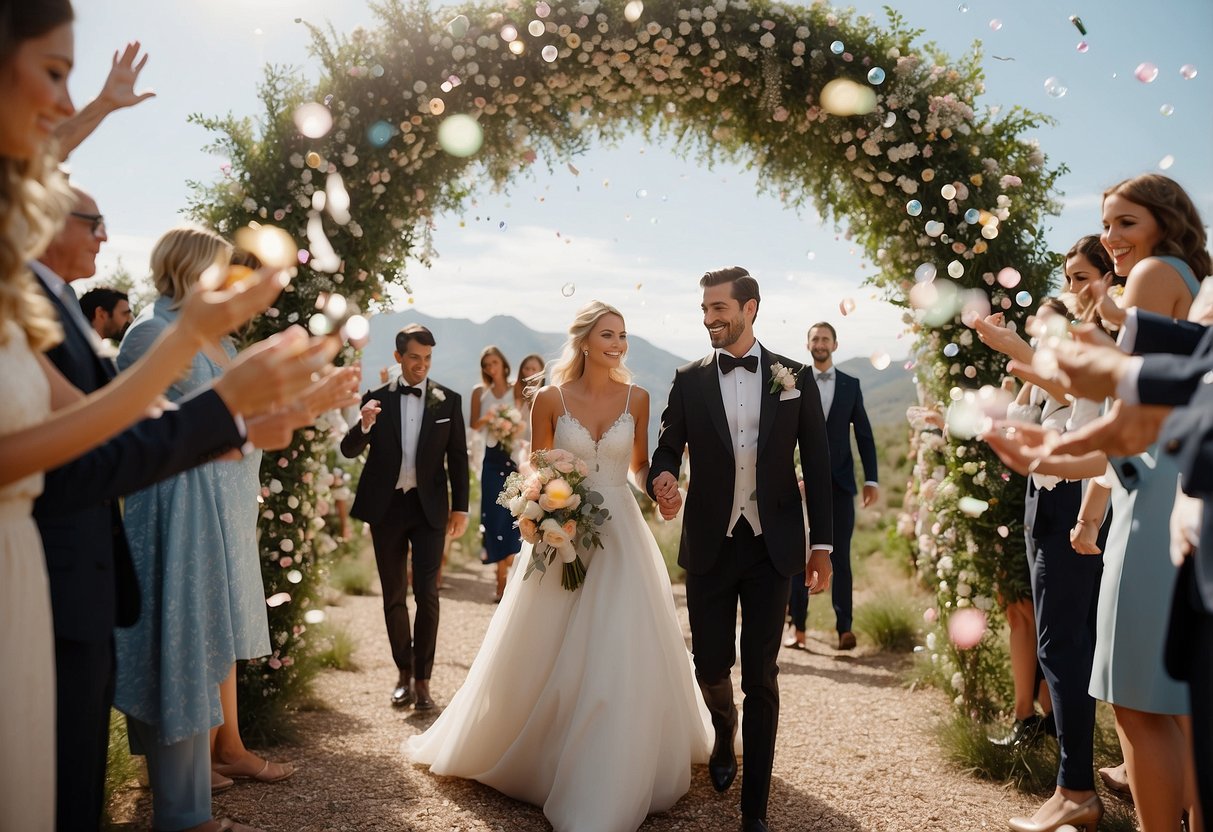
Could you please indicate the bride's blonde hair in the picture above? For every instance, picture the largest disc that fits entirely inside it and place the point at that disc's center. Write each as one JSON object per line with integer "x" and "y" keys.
{"x": 571, "y": 364}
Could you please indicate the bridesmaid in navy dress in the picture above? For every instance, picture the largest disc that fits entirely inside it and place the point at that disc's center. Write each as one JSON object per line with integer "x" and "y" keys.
{"x": 501, "y": 539}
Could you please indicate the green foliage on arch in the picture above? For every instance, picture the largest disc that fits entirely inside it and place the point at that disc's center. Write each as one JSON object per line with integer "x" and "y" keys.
{"x": 740, "y": 80}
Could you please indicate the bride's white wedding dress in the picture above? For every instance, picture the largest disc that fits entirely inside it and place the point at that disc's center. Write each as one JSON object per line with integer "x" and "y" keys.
{"x": 584, "y": 702}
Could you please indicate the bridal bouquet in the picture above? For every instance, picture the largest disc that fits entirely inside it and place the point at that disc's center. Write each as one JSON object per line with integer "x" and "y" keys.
{"x": 556, "y": 513}
{"x": 505, "y": 425}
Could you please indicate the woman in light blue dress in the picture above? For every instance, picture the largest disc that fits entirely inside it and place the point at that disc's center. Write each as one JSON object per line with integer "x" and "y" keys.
{"x": 193, "y": 541}
{"x": 1155, "y": 237}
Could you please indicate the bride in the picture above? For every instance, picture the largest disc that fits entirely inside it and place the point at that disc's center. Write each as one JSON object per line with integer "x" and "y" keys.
{"x": 584, "y": 702}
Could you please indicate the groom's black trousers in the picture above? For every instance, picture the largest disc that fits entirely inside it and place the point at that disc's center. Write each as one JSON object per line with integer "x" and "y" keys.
{"x": 404, "y": 526}
{"x": 743, "y": 572}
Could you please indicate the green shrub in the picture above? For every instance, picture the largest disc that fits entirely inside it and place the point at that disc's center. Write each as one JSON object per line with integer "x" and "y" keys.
{"x": 353, "y": 575}
{"x": 121, "y": 769}
{"x": 336, "y": 648}
{"x": 890, "y": 621}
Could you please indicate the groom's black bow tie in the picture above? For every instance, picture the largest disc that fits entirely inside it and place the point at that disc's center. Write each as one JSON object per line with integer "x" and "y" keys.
{"x": 405, "y": 390}
{"x": 728, "y": 363}
{"x": 828, "y": 375}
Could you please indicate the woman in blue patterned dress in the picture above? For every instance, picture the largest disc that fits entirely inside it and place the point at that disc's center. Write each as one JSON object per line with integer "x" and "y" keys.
{"x": 501, "y": 539}
{"x": 193, "y": 540}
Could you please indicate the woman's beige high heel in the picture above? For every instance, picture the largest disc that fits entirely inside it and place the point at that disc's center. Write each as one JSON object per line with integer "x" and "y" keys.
{"x": 1085, "y": 816}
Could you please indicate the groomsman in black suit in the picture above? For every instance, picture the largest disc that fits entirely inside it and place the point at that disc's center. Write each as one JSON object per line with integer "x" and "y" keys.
{"x": 92, "y": 581}
{"x": 842, "y": 402}
{"x": 743, "y": 534}
{"x": 413, "y": 493}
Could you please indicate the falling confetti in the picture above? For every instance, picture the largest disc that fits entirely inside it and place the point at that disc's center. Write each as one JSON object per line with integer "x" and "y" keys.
{"x": 948, "y": 191}
{"x": 955, "y": 269}
{"x": 458, "y": 25}
{"x": 880, "y": 360}
{"x": 1003, "y": 531}
{"x": 568, "y": 289}
{"x": 314, "y": 616}
{"x": 535, "y": 27}
{"x": 1024, "y": 298}
{"x": 277, "y": 599}
{"x": 951, "y": 350}
{"x": 509, "y": 33}
{"x": 876, "y": 76}
{"x": 549, "y": 53}
{"x": 933, "y": 228}
{"x": 972, "y": 506}
{"x": 633, "y": 10}
{"x": 846, "y": 306}
{"x": 924, "y": 273}
{"x": 1187, "y": 72}
{"x": 1077, "y": 21}
{"x": 1165, "y": 162}
{"x": 995, "y": 25}
{"x": 1082, "y": 47}
{"x": 837, "y": 47}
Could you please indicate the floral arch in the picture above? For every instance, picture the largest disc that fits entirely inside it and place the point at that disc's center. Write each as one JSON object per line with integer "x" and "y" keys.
{"x": 881, "y": 133}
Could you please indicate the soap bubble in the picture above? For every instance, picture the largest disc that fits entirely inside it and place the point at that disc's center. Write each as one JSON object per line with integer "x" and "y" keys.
{"x": 948, "y": 191}
{"x": 876, "y": 76}
{"x": 966, "y": 627}
{"x": 1188, "y": 72}
{"x": 549, "y": 53}
{"x": 380, "y": 133}
{"x": 1166, "y": 109}
{"x": 934, "y": 228}
{"x": 1009, "y": 278}
{"x": 880, "y": 360}
{"x": 924, "y": 273}
{"x": 517, "y": 47}
{"x": 955, "y": 269}
{"x": 633, "y": 10}
{"x": 642, "y": 193}
{"x": 1146, "y": 72}
{"x": 535, "y": 27}
{"x": 1056, "y": 87}
{"x": 1024, "y": 298}
{"x": 837, "y": 47}
{"x": 313, "y": 120}
{"x": 995, "y": 25}
{"x": 568, "y": 289}
{"x": 294, "y": 576}
{"x": 846, "y": 306}
{"x": 542, "y": 9}
{"x": 314, "y": 616}
{"x": 962, "y": 8}
{"x": 812, "y": 255}
{"x": 972, "y": 216}
{"x": 913, "y": 207}
{"x": 1165, "y": 162}
{"x": 951, "y": 350}
{"x": 509, "y": 33}
{"x": 890, "y": 119}
{"x": 989, "y": 231}
{"x": 460, "y": 135}
{"x": 1082, "y": 46}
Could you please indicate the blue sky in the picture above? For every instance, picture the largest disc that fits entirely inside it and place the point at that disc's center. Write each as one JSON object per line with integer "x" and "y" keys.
{"x": 639, "y": 224}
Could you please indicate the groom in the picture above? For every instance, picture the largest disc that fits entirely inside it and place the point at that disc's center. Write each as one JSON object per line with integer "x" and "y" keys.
{"x": 743, "y": 533}
{"x": 415, "y": 429}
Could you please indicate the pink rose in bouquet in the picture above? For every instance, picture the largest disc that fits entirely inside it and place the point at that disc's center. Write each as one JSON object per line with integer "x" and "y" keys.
{"x": 557, "y": 513}
{"x": 505, "y": 425}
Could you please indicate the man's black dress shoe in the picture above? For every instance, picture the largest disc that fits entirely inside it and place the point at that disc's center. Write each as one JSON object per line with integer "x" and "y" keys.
{"x": 722, "y": 765}
{"x": 402, "y": 695}
{"x": 1024, "y": 733}
{"x": 753, "y": 824}
{"x": 424, "y": 701}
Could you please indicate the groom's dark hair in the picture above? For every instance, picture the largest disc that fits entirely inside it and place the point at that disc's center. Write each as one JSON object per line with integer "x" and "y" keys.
{"x": 414, "y": 332}
{"x": 745, "y": 288}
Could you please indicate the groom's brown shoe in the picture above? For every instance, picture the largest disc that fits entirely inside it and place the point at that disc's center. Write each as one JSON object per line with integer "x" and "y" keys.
{"x": 722, "y": 765}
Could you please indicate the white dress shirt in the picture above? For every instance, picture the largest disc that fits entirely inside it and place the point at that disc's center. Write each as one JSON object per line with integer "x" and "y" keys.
{"x": 826, "y": 388}
{"x": 741, "y": 391}
{"x": 412, "y": 408}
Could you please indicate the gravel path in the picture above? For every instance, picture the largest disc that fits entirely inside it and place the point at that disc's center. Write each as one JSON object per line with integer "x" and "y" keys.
{"x": 855, "y": 749}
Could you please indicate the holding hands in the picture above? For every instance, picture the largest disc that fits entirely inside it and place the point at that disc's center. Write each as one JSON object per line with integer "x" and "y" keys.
{"x": 669, "y": 499}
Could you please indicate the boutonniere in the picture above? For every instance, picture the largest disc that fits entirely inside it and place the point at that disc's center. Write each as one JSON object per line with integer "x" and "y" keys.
{"x": 435, "y": 397}
{"x": 782, "y": 378}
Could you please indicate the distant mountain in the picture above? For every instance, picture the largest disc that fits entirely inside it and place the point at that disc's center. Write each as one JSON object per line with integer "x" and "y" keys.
{"x": 887, "y": 393}
{"x": 457, "y": 356}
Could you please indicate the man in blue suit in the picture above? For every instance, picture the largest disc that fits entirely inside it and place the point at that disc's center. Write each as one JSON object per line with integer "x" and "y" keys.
{"x": 842, "y": 403}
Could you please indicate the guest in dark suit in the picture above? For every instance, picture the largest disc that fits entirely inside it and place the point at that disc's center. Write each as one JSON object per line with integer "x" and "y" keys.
{"x": 842, "y": 403}
{"x": 413, "y": 492}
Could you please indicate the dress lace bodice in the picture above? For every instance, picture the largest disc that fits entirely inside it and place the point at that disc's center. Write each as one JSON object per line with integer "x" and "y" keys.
{"x": 608, "y": 458}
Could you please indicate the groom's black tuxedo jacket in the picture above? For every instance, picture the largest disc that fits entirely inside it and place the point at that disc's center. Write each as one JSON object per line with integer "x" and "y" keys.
{"x": 92, "y": 580}
{"x": 443, "y": 438}
{"x": 694, "y": 418}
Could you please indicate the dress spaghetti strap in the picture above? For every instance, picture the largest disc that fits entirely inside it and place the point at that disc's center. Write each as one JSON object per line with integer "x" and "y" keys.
{"x": 562, "y": 404}
{"x": 1185, "y": 271}
{"x": 628, "y": 404}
